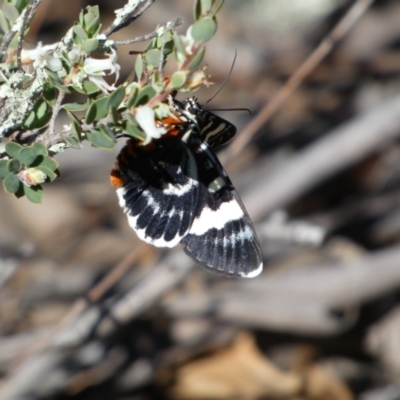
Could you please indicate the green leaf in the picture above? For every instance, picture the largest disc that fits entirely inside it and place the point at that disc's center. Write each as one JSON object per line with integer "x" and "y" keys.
{"x": 91, "y": 19}
{"x": 179, "y": 46}
{"x": 139, "y": 67}
{"x": 206, "y": 6}
{"x": 76, "y": 131}
{"x": 153, "y": 57}
{"x": 75, "y": 107}
{"x": 115, "y": 115}
{"x": 11, "y": 183}
{"x": 134, "y": 91}
{"x": 168, "y": 47}
{"x": 100, "y": 139}
{"x": 42, "y": 109}
{"x": 58, "y": 84}
{"x": 4, "y": 168}
{"x": 12, "y": 149}
{"x": 34, "y": 193}
{"x": 116, "y": 97}
{"x": 90, "y": 87}
{"x": 39, "y": 116}
{"x": 197, "y": 59}
{"x": 13, "y": 165}
{"x": 80, "y": 33}
{"x": 97, "y": 110}
{"x": 4, "y": 24}
{"x": 217, "y": 8}
{"x": 197, "y": 10}
{"x": 49, "y": 94}
{"x": 46, "y": 161}
{"x": 27, "y": 155}
{"x": 49, "y": 173}
{"x": 89, "y": 45}
{"x": 40, "y": 149}
{"x": 108, "y": 131}
{"x": 10, "y": 12}
{"x": 74, "y": 119}
{"x": 178, "y": 79}
{"x": 152, "y": 45}
{"x": 144, "y": 95}
{"x": 133, "y": 130}
{"x": 73, "y": 142}
{"x": 204, "y": 29}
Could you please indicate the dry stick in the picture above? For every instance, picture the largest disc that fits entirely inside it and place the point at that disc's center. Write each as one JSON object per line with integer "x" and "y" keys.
{"x": 116, "y": 274}
{"x": 165, "y": 276}
{"x": 8, "y": 37}
{"x": 47, "y": 138}
{"x": 129, "y": 17}
{"x": 337, "y": 150}
{"x": 173, "y": 24}
{"x": 27, "y": 15}
{"x": 81, "y": 305}
{"x": 340, "y": 30}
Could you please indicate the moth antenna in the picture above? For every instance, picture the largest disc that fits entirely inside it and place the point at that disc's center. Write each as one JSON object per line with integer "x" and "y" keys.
{"x": 231, "y": 109}
{"x": 225, "y": 80}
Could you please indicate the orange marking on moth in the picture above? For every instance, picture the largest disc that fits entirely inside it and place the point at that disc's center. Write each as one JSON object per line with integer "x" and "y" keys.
{"x": 170, "y": 123}
{"x": 115, "y": 179}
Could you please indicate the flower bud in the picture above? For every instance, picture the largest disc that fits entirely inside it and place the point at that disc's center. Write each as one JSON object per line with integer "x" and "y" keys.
{"x": 31, "y": 176}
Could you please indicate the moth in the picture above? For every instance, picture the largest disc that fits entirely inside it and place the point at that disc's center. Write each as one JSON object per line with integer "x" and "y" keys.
{"x": 174, "y": 190}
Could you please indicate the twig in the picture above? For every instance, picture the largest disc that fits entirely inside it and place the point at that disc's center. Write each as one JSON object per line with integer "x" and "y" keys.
{"x": 340, "y": 30}
{"x": 21, "y": 33}
{"x": 298, "y": 300}
{"x": 56, "y": 110}
{"x": 127, "y": 14}
{"x": 336, "y": 151}
{"x": 171, "y": 24}
{"x": 80, "y": 305}
{"x": 158, "y": 282}
{"x": 19, "y": 25}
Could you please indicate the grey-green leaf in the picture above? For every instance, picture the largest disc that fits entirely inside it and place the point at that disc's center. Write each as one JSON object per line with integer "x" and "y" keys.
{"x": 13, "y": 165}
{"x": 40, "y": 149}
{"x": 204, "y": 29}
{"x": 12, "y": 149}
{"x": 75, "y": 107}
{"x": 34, "y": 193}
{"x": 197, "y": 59}
{"x": 178, "y": 79}
{"x": 100, "y": 139}
{"x": 51, "y": 175}
{"x": 73, "y": 142}
{"x": 144, "y": 96}
{"x": 47, "y": 162}
{"x": 153, "y": 57}
{"x": 11, "y": 183}
{"x": 97, "y": 110}
{"x": 27, "y": 155}
{"x": 4, "y": 168}
{"x": 116, "y": 97}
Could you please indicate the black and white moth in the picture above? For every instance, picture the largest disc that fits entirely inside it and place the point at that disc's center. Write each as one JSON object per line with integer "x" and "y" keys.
{"x": 174, "y": 190}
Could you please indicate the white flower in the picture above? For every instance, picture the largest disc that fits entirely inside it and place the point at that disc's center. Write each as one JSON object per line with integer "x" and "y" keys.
{"x": 145, "y": 117}
{"x": 95, "y": 70}
{"x": 41, "y": 57}
{"x": 93, "y": 66}
{"x": 188, "y": 41}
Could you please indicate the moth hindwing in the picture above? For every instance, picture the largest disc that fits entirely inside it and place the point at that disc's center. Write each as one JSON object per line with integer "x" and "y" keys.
{"x": 175, "y": 190}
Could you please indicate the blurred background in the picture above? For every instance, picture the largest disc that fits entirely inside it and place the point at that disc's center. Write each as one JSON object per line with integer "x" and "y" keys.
{"x": 321, "y": 181}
